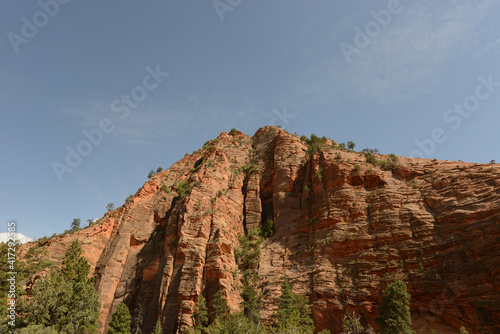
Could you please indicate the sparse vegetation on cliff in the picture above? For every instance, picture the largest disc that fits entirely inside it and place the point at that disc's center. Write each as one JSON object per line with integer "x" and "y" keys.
{"x": 65, "y": 300}
{"x": 343, "y": 232}
{"x": 314, "y": 143}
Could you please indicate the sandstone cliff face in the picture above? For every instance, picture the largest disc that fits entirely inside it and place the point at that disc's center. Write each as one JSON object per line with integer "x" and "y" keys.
{"x": 344, "y": 229}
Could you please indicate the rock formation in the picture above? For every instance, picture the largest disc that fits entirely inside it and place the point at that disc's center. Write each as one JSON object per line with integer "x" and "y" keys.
{"x": 344, "y": 229}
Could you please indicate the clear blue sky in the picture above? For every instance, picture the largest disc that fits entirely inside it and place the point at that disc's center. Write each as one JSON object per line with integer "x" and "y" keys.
{"x": 383, "y": 74}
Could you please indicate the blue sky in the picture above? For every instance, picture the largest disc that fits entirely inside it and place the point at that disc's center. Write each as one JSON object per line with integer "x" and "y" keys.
{"x": 384, "y": 74}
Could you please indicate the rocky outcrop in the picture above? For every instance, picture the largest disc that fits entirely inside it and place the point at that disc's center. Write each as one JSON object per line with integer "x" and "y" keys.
{"x": 344, "y": 229}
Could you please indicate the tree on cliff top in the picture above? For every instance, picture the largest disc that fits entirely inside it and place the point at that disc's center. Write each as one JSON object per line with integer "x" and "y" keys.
{"x": 394, "y": 313}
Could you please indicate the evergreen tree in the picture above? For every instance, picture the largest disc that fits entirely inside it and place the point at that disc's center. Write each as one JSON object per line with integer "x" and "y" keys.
{"x": 120, "y": 322}
{"x": 251, "y": 303}
{"x": 200, "y": 313}
{"x": 285, "y": 302}
{"x": 75, "y": 267}
{"x": 394, "y": 313}
{"x": 220, "y": 307}
{"x": 235, "y": 324}
{"x": 157, "y": 329}
{"x": 65, "y": 300}
{"x": 37, "y": 329}
{"x": 294, "y": 316}
{"x": 75, "y": 225}
{"x": 351, "y": 145}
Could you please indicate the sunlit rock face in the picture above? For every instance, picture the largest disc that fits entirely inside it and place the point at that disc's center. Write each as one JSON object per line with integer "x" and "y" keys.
{"x": 344, "y": 229}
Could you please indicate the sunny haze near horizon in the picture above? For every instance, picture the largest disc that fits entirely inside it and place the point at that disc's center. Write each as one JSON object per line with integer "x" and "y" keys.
{"x": 94, "y": 94}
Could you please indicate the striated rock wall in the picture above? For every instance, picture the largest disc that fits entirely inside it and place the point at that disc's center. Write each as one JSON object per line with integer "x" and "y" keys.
{"x": 344, "y": 229}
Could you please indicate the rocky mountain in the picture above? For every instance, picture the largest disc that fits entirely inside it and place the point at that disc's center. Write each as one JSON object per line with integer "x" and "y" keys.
{"x": 344, "y": 228}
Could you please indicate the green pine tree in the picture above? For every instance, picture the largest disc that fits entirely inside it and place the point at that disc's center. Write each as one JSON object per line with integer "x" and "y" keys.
{"x": 293, "y": 313}
{"x": 251, "y": 302}
{"x": 285, "y": 303}
{"x": 220, "y": 307}
{"x": 158, "y": 329}
{"x": 37, "y": 329}
{"x": 65, "y": 300}
{"x": 200, "y": 314}
{"x": 120, "y": 322}
{"x": 74, "y": 266}
{"x": 394, "y": 313}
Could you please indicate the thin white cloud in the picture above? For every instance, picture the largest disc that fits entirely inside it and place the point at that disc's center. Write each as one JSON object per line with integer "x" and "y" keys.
{"x": 493, "y": 46}
{"x": 156, "y": 119}
{"x": 408, "y": 57}
{"x": 20, "y": 238}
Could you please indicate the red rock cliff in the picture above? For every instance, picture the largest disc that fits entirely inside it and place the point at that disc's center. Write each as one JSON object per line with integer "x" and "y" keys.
{"x": 344, "y": 229}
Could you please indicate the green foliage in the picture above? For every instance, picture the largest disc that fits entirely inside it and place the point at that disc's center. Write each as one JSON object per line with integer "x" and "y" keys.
{"x": 296, "y": 316}
{"x": 151, "y": 173}
{"x": 157, "y": 329}
{"x": 200, "y": 314}
{"x": 342, "y": 146}
{"x": 319, "y": 173}
{"x": 36, "y": 260}
{"x": 492, "y": 161}
{"x": 268, "y": 228}
{"x": 37, "y": 329}
{"x": 234, "y": 324}
{"x": 74, "y": 266}
{"x": 370, "y": 150}
{"x": 184, "y": 188}
{"x": 220, "y": 308}
{"x": 110, "y": 207}
{"x": 463, "y": 330}
{"x": 251, "y": 300}
{"x": 159, "y": 170}
{"x": 393, "y": 159}
{"x": 351, "y": 145}
{"x": 307, "y": 190}
{"x": 247, "y": 256}
{"x": 325, "y": 331}
{"x": 66, "y": 299}
{"x": 389, "y": 164}
{"x": 314, "y": 143}
{"x": 75, "y": 225}
{"x": 370, "y": 157}
{"x": 248, "y": 253}
{"x": 286, "y": 303}
{"x": 293, "y": 312}
{"x": 120, "y": 322}
{"x": 394, "y": 313}
{"x": 233, "y": 132}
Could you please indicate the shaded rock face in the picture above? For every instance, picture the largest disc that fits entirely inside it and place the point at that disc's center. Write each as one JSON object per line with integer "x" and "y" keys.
{"x": 344, "y": 229}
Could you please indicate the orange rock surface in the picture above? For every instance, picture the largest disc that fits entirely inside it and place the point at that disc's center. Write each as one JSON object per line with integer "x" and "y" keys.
{"x": 344, "y": 229}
